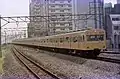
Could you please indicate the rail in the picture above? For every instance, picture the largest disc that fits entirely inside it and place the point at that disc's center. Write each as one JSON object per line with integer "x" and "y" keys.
{"x": 35, "y": 63}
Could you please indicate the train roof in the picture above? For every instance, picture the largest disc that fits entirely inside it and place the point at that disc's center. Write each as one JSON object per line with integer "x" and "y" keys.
{"x": 73, "y": 32}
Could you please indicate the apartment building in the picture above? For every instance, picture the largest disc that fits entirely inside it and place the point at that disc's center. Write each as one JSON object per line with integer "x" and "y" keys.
{"x": 115, "y": 30}
{"x": 62, "y": 16}
{"x": 60, "y": 12}
{"x": 36, "y": 27}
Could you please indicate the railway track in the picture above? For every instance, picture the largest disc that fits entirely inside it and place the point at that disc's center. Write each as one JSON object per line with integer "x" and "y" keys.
{"x": 117, "y": 61}
{"x": 37, "y": 70}
{"x": 111, "y": 52}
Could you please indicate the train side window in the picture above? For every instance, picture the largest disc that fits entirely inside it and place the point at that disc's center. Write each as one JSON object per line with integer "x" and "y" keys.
{"x": 75, "y": 39}
{"x": 50, "y": 40}
{"x": 47, "y": 40}
{"x": 55, "y": 41}
{"x": 61, "y": 40}
{"x": 83, "y": 37}
{"x": 80, "y": 38}
{"x": 67, "y": 39}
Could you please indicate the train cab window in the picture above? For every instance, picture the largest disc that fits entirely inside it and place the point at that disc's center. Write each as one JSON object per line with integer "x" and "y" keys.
{"x": 95, "y": 37}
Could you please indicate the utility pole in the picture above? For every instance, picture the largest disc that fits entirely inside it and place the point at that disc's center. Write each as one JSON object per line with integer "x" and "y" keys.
{"x": 5, "y": 38}
{"x": 0, "y": 39}
{"x": 95, "y": 13}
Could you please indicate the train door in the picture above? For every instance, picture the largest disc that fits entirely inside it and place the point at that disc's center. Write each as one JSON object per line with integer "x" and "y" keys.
{"x": 74, "y": 41}
{"x": 61, "y": 41}
{"x": 67, "y": 41}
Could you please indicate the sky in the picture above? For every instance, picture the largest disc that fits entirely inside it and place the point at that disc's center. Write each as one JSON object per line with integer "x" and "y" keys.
{"x": 14, "y": 7}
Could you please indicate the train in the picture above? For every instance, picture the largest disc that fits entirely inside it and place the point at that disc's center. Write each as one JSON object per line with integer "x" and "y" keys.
{"x": 85, "y": 42}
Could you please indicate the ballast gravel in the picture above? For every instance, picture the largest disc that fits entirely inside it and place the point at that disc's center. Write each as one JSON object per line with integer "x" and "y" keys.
{"x": 88, "y": 69}
{"x": 13, "y": 70}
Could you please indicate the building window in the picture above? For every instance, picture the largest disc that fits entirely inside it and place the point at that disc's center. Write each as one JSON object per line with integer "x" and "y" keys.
{"x": 69, "y": 5}
{"x": 52, "y": 6}
{"x": 69, "y": 1}
{"x": 52, "y": 10}
{"x": 62, "y": 24}
{"x": 70, "y": 24}
{"x": 69, "y": 10}
{"x": 61, "y": 10}
{"x": 116, "y": 27}
{"x": 62, "y": 28}
{"x": 62, "y": 15}
{"x": 70, "y": 28}
{"x": 52, "y": 1}
{"x": 115, "y": 19}
{"x": 61, "y": 1}
{"x": 61, "y": 5}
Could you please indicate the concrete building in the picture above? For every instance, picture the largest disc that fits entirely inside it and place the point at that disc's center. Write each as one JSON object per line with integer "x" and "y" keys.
{"x": 117, "y": 8}
{"x": 61, "y": 19}
{"x": 112, "y": 24}
{"x": 59, "y": 12}
{"x": 108, "y": 10}
{"x": 38, "y": 27}
{"x": 95, "y": 10}
{"x": 115, "y": 30}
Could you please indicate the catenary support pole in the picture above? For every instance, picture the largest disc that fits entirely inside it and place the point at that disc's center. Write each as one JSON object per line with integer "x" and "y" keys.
{"x": 0, "y": 39}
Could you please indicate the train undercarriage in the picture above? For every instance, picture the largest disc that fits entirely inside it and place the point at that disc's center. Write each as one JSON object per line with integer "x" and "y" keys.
{"x": 83, "y": 53}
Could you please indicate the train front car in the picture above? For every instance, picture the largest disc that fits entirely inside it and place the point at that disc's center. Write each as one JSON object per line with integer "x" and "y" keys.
{"x": 95, "y": 41}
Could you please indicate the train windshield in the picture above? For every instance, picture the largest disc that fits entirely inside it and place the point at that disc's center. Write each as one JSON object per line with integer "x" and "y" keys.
{"x": 95, "y": 37}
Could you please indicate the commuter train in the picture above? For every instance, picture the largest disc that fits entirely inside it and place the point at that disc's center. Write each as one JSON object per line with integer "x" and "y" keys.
{"x": 85, "y": 42}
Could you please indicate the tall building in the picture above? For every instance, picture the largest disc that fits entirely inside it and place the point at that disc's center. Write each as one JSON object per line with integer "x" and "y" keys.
{"x": 112, "y": 26}
{"x": 53, "y": 9}
{"x": 115, "y": 33}
{"x": 60, "y": 20}
{"x": 36, "y": 27}
{"x": 63, "y": 16}
{"x": 117, "y": 8}
{"x": 95, "y": 10}
{"x": 108, "y": 10}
